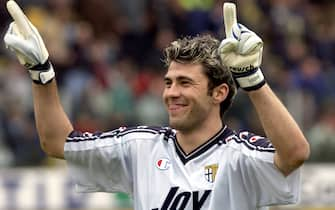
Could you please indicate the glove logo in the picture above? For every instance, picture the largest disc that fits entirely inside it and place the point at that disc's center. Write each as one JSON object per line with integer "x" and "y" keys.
{"x": 241, "y": 69}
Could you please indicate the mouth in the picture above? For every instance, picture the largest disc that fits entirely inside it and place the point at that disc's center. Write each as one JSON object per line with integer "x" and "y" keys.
{"x": 176, "y": 108}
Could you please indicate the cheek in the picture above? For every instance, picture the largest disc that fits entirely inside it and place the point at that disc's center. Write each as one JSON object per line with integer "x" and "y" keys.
{"x": 164, "y": 97}
{"x": 164, "y": 94}
{"x": 205, "y": 102}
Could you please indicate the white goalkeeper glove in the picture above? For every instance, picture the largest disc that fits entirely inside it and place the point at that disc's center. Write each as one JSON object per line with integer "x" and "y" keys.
{"x": 241, "y": 51}
{"x": 23, "y": 38}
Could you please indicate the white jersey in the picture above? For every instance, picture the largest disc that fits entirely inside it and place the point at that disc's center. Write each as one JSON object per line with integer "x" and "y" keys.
{"x": 231, "y": 171}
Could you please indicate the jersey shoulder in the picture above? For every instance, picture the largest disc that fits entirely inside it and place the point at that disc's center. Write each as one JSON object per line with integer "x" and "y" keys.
{"x": 133, "y": 132}
{"x": 251, "y": 141}
{"x": 143, "y": 130}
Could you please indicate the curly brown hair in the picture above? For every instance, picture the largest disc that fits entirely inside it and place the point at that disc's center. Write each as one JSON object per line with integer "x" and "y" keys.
{"x": 203, "y": 49}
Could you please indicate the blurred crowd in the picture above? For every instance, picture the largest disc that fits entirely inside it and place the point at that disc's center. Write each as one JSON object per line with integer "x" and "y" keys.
{"x": 108, "y": 60}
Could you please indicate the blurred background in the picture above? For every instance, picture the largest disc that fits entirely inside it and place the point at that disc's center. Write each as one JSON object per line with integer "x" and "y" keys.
{"x": 107, "y": 56}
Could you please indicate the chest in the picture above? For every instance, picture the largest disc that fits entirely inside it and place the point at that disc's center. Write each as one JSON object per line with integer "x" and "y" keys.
{"x": 172, "y": 183}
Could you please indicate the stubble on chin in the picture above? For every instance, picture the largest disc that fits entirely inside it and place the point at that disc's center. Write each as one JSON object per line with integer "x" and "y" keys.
{"x": 175, "y": 124}
{"x": 181, "y": 125}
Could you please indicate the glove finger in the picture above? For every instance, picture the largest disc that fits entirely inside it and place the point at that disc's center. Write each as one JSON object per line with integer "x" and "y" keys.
{"x": 43, "y": 56}
{"x": 238, "y": 30}
{"x": 19, "y": 17}
{"x": 9, "y": 31}
{"x": 22, "y": 48}
{"x": 241, "y": 27}
{"x": 11, "y": 35}
{"x": 250, "y": 44}
{"x": 15, "y": 41}
{"x": 228, "y": 45}
{"x": 12, "y": 30}
{"x": 229, "y": 17}
{"x": 13, "y": 38}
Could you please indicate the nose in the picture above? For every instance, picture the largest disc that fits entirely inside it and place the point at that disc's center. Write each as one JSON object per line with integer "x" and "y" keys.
{"x": 172, "y": 91}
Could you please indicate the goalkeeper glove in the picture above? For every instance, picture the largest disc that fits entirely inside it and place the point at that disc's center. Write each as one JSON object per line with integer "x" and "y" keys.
{"x": 25, "y": 41}
{"x": 241, "y": 52}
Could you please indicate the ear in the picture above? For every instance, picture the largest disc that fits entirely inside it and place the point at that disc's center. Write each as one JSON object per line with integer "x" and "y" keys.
{"x": 220, "y": 93}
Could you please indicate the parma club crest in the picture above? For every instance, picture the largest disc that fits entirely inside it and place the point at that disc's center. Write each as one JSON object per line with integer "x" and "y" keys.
{"x": 210, "y": 172}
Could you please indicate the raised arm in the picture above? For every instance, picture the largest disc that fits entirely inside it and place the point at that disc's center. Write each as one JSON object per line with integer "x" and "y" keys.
{"x": 241, "y": 51}
{"x": 292, "y": 149}
{"x": 52, "y": 123}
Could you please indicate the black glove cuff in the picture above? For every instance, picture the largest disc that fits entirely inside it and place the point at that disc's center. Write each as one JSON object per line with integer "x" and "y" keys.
{"x": 42, "y": 74}
{"x": 41, "y": 67}
{"x": 40, "y": 83}
{"x": 256, "y": 87}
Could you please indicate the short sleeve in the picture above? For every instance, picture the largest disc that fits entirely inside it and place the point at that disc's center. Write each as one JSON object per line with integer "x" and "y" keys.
{"x": 272, "y": 187}
{"x": 99, "y": 161}
{"x": 258, "y": 169}
{"x": 262, "y": 179}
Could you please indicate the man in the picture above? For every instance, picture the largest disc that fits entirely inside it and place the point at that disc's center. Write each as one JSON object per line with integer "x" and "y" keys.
{"x": 196, "y": 163}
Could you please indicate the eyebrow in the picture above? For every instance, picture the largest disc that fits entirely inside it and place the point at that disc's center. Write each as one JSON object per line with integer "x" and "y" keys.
{"x": 166, "y": 78}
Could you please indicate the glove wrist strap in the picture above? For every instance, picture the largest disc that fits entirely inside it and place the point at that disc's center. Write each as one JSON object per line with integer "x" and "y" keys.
{"x": 42, "y": 73}
{"x": 251, "y": 81}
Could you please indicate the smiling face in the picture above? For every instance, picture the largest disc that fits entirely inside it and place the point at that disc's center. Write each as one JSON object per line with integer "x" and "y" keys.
{"x": 186, "y": 97}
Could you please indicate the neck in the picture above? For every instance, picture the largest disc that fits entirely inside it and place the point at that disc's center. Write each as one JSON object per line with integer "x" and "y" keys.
{"x": 190, "y": 140}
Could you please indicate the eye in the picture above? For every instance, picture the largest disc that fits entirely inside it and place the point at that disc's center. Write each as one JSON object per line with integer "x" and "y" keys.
{"x": 167, "y": 83}
{"x": 185, "y": 82}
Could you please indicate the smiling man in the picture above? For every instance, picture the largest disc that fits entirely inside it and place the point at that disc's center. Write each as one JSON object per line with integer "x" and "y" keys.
{"x": 186, "y": 97}
{"x": 197, "y": 162}
{"x": 193, "y": 96}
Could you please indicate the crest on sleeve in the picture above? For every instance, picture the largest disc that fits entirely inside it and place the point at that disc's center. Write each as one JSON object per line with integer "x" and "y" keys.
{"x": 254, "y": 141}
{"x": 210, "y": 172}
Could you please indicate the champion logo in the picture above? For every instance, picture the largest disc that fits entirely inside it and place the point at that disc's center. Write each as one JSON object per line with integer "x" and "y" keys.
{"x": 255, "y": 138}
{"x": 163, "y": 164}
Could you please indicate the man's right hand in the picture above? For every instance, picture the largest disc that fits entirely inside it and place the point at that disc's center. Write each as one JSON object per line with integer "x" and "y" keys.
{"x": 24, "y": 40}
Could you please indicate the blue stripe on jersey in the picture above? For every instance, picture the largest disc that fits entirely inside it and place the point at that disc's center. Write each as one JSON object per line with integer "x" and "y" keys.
{"x": 77, "y": 136}
{"x": 252, "y": 141}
